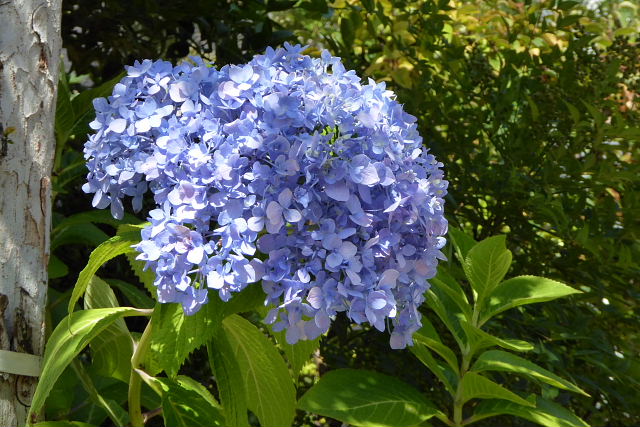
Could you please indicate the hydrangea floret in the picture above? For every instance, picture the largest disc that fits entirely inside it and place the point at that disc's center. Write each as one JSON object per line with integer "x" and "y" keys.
{"x": 287, "y": 171}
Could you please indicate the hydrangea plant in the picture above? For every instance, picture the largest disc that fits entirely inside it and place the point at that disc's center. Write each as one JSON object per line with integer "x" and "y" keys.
{"x": 288, "y": 171}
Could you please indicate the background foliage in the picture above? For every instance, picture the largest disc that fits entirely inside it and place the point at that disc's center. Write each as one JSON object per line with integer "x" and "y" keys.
{"x": 532, "y": 106}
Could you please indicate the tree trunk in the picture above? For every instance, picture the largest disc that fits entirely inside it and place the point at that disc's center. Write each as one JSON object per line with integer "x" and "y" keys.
{"x": 29, "y": 59}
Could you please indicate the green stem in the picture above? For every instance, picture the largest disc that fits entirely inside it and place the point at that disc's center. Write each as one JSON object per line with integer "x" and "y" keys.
{"x": 135, "y": 381}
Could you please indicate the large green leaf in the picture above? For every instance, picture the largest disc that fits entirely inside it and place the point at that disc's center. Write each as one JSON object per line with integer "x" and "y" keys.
{"x": 486, "y": 264}
{"x": 111, "y": 350}
{"x": 297, "y": 354}
{"x": 545, "y": 413}
{"x": 69, "y": 338}
{"x": 176, "y": 335}
{"x": 523, "y": 290}
{"x": 185, "y": 402}
{"x": 228, "y": 376}
{"x": 476, "y": 386}
{"x": 367, "y": 399}
{"x": 117, "y": 245}
{"x": 271, "y": 394}
{"x": 497, "y": 360}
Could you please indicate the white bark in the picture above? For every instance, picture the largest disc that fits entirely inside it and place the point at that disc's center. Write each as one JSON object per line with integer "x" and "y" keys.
{"x": 29, "y": 59}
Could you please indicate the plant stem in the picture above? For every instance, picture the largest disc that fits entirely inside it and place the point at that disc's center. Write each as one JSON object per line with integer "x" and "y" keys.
{"x": 135, "y": 381}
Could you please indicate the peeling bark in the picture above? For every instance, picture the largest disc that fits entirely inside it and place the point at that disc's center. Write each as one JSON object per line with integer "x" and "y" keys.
{"x": 29, "y": 59}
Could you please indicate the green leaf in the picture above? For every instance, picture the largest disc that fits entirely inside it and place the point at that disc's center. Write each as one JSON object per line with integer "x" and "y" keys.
{"x": 228, "y": 376}
{"x": 69, "y": 338}
{"x": 453, "y": 289}
{"x": 61, "y": 424}
{"x": 269, "y": 388}
{"x": 111, "y": 350}
{"x": 57, "y": 268}
{"x": 486, "y": 264}
{"x": 442, "y": 350}
{"x": 79, "y": 234}
{"x": 347, "y": 31}
{"x": 448, "y": 311}
{"x": 545, "y": 413}
{"x": 137, "y": 297}
{"x": 367, "y": 399}
{"x": 185, "y": 403}
{"x": 523, "y": 290}
{"x": 462, "y": 242}
{"x": 444, "y": 373}
{"x": 497, "y": 360}
{"x": 476, "y": 386}
{"x": 96, "y": 216}
{"x": 117, "y": 245}
{"x": 118, "y": 415}
{"x": 64, "y": 111}
{"x": 176, "y": 335}
{"x": 480, "y": 339}
{"x": 146, "y": 277}
{"x": 297, "y": 354}
{"x": 62, "y": 396}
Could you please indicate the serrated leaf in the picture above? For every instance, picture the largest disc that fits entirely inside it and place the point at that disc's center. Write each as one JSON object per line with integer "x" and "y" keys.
{"x": 545, "y": 413}
{"x": 146, "y": 277}
{"x": 497, "y": 360}
{"x": 367, "y": 399}
{"x": 226, "y": 372}
{"x": 271, "y": 395}
{"x": 486, "y": 264}
{"x": 111, "y": 350}
{"x": 175, "y": 335}
{"x": 476, "y": 386}
{"x": 69, "y": 338}
{"x": 523, "y": 290}
{"x": 117, "y": 245}
{"x": 185, "y": 403}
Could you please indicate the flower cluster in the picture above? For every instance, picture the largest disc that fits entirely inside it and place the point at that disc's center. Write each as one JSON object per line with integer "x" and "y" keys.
{"x": 286, "y": 171}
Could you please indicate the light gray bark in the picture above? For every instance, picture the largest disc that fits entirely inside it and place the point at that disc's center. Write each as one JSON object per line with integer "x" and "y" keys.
{"x": 29, "y": 59}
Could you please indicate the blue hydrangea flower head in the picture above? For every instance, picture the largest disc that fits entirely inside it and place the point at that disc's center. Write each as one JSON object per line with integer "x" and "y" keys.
{"x": 287, "y": 171}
